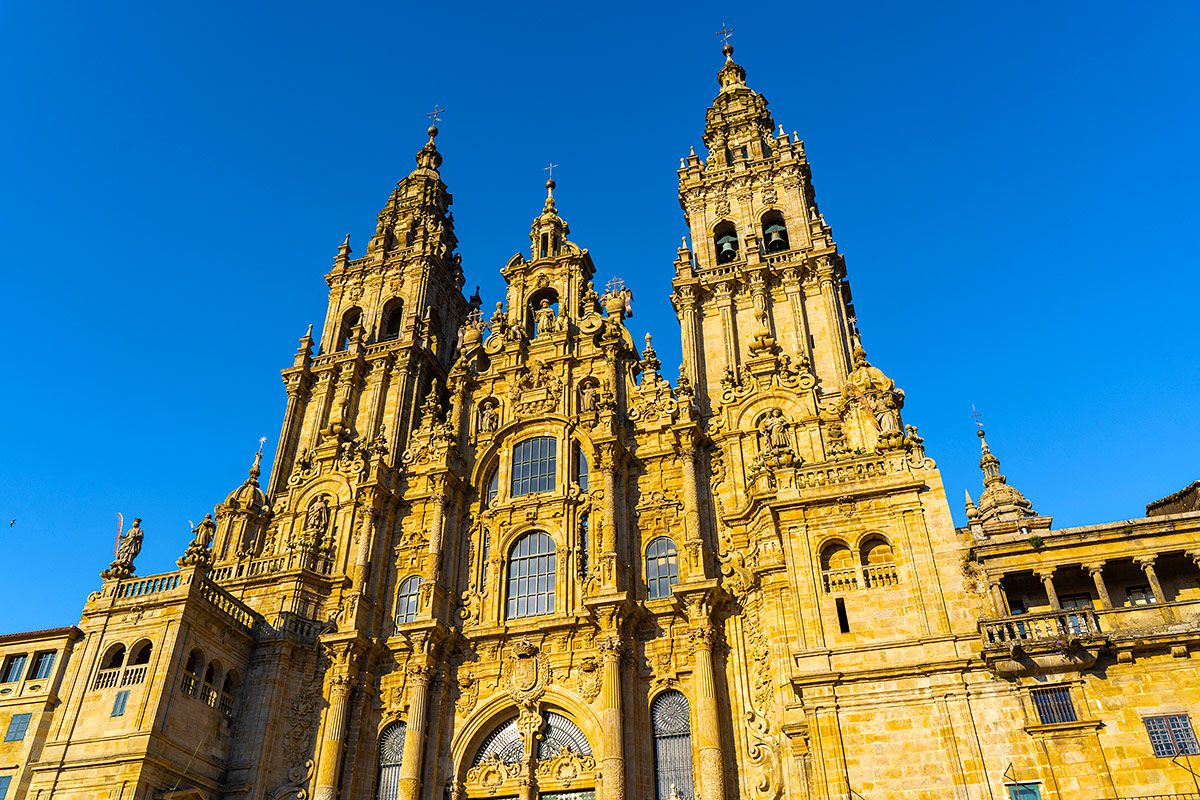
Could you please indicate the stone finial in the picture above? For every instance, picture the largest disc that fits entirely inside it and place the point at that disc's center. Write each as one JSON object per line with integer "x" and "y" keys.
{"x": 999, "y": 501}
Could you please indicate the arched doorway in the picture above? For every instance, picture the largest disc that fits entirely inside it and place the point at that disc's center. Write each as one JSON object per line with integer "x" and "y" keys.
{"x": 544, "y": 756}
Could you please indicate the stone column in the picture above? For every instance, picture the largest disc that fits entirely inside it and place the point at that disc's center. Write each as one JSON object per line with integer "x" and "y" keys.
{"x": 795, "y": 294}
{"x": 1147, "y": 565}
{"x": 1047, "y": 576}
{"x": 834, "y": 321}
{"x": 362, "y": 552}
{"x": 685, "y": 298}
{"x": 297, "y": 397}
{"x": 693, "y": 535}
{"x": 708, "y": 733}
{"x": 612, "y": 764}
{"x": 414, "y": 737}
{"x": 331, "y": 746}
{"x": 1097, "y": 573}
{"x": 435, "y": 531}
{"x": 996, "y": 593}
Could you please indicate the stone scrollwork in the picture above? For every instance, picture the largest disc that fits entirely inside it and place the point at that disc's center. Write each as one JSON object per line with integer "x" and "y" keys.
{"x": 491, "y": 773}
{"x": 566, "y": 767}
{"x": 529, "y": 673}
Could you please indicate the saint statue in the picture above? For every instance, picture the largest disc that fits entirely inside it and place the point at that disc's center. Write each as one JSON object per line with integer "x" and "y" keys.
{"x": 775, "y": 431}
{"x": 131, "y": 544}
{"x": 202, "y": 534}
{"x": 317, "y": 519}
{"x": 489, "y": 416}
{"x": 544, "y": 318}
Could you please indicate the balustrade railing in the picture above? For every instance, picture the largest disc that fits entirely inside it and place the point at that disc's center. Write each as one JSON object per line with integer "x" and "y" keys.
{"x": 189, "y": 684}
{"x": 153, "y": 584}
{"x": 840, "y": 580}
{"x": 1053, "y": 626}
{"x": 226, "y": 603}
{"x": 133, "y": 675}
{"x": 225, "y": 706}
{"x": 107, "y": 678}
{"x": 876, "y": 575}
{"x": 208, "y": 694}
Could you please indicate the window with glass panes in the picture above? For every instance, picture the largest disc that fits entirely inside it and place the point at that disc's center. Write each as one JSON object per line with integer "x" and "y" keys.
{"x": 581, "y": 469}
{"x": 1172, "y": 735}
{"x": 406, "y": 599}
{"x": 1024, "y": 791}
{"x": 5, "y": 780}
{"x": 493, "y": 488}
{"x": 534, "y": 465}
{"x": 662, "y": 567}
{"x": 42, "y": 664}
{"x": 531, "y": 576}
{"x": 13, "y": 667}
{"x": 17, "y": 727}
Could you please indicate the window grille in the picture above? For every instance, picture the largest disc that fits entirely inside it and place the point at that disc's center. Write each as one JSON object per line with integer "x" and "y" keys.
{"x": 531, "y": 576}
{"x": 662, "y": 567}
{"x": 42, "y": 664}
{"x": 391, "y": 753}
{"x": 1139, "y": 596}
{"x": 534, "y": 464}
{"x": 1054, "y": 705}
{"x": 17, "y": 727}
{"x": 505, "y": 743}
{"x": 406, "y": 599}
{"x": 670, "y": 719}
{"x": 1172, "y": 735}
{"x": 560, "y": 732}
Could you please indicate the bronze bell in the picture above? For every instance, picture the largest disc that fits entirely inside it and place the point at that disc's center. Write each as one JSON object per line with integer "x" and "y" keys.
{"x": 726, "y": 249}
{"x": 777, "y": 240}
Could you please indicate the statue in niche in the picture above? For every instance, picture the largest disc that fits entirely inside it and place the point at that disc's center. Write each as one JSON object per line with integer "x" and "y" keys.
{"x": 316, "y": 522}
{"x": 774, "y": 428}
{"x": 489, "y": 416}
{"x": 589, "y": 400}
{"x": 544, "y": 318}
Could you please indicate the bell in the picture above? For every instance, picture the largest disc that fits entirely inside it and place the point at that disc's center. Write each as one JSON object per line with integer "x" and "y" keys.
{"x": 777, "y": 240}
{"x": 726, "y": 249}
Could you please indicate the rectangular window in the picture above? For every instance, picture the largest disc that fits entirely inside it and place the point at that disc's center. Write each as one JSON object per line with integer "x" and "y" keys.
{"x": 17, "y": 727}
{"x": 13, "y": 667}
{"x": 534, "y": 465}
{"x": 1024, "y": 791}
{"x": 1139, "y": 596}
{"x": 119, "y": 703}
{"x": 1172, "y": 735}
{"x": 5, "y": 780}
{"x": 42, "y": 664}
{"x": 1054, "y": 705}
{"x": 843, "y": 619}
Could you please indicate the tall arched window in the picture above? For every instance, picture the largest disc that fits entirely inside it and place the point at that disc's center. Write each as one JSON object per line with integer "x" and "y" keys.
{"x": 561, "y": 734}
{"x": 670, "y": 719}
{"x": 535, "y": 462}
{"x": 531, "y": 576}
{"x": 493, "y": 487}
{"x": 406, "y": 599}
{"x": 393, "y": 318}
{"x": 662, "y": 567}
{"x": 581, "y": 469}
{"x": 350, "y": 319}
{"x": 726, "y": 239}
{"x": 391, "y": 752}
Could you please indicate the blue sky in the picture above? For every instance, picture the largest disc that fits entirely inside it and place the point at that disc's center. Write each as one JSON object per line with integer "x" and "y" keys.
{"x": 1013, "y": 186}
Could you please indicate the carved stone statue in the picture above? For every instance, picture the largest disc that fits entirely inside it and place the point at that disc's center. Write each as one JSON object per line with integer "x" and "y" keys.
{"x": 588, "y": 400}
{"x": 544, "y": 318}
{"x": 775, "y": 430}
{"x": 489, "y": 416}
{"x": 127, "y": 550}
{"x": 197, "y": 552}
{"x": 591, "y": 300}
{"x": 317, "y": 520}
{"x": 499, "y": 321}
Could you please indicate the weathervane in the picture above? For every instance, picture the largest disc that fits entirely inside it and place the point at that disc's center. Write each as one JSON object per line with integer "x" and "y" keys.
{"x": 975, "y": 415}
{"x": 435, "y": 116}
{"x": 725, "y": 33}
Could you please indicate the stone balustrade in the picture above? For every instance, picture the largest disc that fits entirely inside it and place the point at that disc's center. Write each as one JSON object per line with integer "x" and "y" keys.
{"x": 1054, "y": 626}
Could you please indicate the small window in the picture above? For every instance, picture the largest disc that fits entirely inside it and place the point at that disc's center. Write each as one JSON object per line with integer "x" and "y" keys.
{"x": 585, "y": 547}
{"x": 534, "y": 464}
{"x": 42, "y": 664}
{"x": 5, "y": 780}
{"x": 17, "y": 727}
{"x": 1054, "y": 705}
{"x": 493, "y": 488}
{"x": 581, "y": 469}
{"x": 485, "y": 552}
{"x": 843, "y": 618}
{"x": 406, "y": 600}
{"x": 662, "y": 567}
{"x": 118, "y": 709}
{"x": 1024, "y": 791}
{"x": 1139, "y": 596}
{"x": 1172, "y": 735}
{"x": 13, "y": 667}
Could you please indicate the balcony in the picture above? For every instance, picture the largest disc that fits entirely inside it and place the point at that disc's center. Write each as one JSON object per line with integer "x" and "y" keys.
{"x": 1055, "y": 627}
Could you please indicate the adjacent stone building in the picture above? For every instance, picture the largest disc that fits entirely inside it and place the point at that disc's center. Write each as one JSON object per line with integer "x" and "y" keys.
{"x": 500, "y": 555}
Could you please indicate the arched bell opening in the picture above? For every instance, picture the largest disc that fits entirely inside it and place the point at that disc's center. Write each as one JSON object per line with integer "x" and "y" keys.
{"x": 351, "y": 319}
{"x": 392, "y": 320}
{"x": 775, "y": 234}
{"x": 726, "y": 240}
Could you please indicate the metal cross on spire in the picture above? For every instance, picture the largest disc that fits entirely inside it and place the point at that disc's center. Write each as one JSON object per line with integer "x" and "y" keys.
{"x": 550, "y": 168}
{"x": 435, "y": 116}
{"x": 262, "y": 440}
{"x": 975, "y": 415}
{"x": 725, "y": 33}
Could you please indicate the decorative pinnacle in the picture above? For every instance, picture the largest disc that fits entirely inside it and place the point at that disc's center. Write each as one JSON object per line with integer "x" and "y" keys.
{"x": 550, "y": 185}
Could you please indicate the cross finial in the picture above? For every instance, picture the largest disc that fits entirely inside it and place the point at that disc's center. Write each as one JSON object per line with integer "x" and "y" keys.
{"x": 975, "y": 415}
{"x": 262, "y": 440}
{"x": 435, "y": 116}
{"x": 615, "y": 284}
{"x": 550, "y": 168}
{"x": 725, "y": 33}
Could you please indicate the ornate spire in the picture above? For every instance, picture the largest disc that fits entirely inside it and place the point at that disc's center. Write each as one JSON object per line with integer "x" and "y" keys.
{"x": 428, "y": 156}
{"x": 999, "y": 501}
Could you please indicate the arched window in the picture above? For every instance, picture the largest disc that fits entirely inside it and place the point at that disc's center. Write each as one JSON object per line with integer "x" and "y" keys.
{"x": 351, "y": 318}
{"x": 662, "y": 567}
{"x": 228, "y": 688}
{"x": 535, "y": 462}
{"x": 581, "y": 469}
{"x": 775, "y": 235}
{"x": 493, "y": 488}
{"x": 878, "y": 562}
{"x": 406, "y": 599}
{"x": 140, "y": 654}
{"x": 393, "y": 319}
{"x": 670, "y": 719}
{"x": 531, "y": 576}
{"x": 726, "y": 238}
{"x": 191, "y": 672}
{"x": 504, "y": 743}
{"x": 561, "y": 734}
{"x": 391, "y": 754}
{"x": 114, "y": 658}
{"x": 838, "y": 568}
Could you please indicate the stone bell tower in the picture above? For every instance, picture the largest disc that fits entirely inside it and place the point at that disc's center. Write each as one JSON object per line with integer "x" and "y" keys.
{"x": 763, "y": 272}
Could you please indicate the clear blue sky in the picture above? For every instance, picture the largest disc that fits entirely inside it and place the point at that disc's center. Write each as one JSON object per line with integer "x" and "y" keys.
{"x": 1013, "y": 185}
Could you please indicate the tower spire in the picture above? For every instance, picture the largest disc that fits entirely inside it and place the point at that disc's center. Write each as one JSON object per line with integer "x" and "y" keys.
{"x": 999, "y": 502}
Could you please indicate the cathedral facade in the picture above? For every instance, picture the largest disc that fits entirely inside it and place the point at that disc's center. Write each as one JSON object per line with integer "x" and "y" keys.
{"x": 499, "y": 555}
